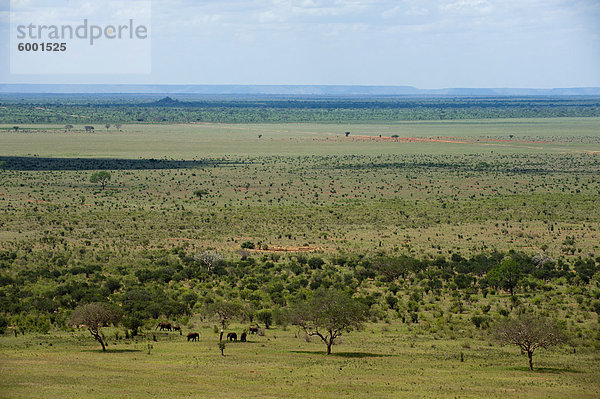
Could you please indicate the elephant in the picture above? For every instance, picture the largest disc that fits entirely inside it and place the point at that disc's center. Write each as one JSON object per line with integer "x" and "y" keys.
{"x": 253, "y": 330}
{"x": 164, "y": 326}
{"x": 243, "y": 337}
{"x": 232, "y": 336}
{"x": 193, "y": 336}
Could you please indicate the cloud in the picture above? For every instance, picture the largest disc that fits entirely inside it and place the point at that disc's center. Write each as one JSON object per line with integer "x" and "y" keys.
{"x": 421, "y": 42}
{"x": 405, "y": 10}
{"x": 468, "y": 7}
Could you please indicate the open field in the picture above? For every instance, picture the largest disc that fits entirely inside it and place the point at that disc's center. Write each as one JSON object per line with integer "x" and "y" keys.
{"x": 188, "y": 141}
{"x": 383, "y": 361}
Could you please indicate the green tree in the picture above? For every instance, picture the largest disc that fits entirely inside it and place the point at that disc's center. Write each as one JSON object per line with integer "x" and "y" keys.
{"x": 134, "y": 322}
{"x": 585, "y": 269}
{"x": 3, "y": 323}
{"x": 101, "y": 177}
{"x": 506, "y": 276}
{"x": 328, "y": 314}
{"x": 96, "y": 315}
{"x": 247, "y": 245}
{"x": 265, "y": 316}
{"x": 393, "y": 267}
{"x": 529, "y": 332}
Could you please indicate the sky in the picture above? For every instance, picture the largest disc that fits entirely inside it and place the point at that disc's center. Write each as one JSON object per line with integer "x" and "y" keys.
{"x": 423, "y": 43}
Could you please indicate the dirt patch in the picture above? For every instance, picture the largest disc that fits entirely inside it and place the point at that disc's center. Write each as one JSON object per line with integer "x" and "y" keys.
{"x": 287, "y": 249}
{"x": 408, "y": 139}
{"x": 439, "y": 139}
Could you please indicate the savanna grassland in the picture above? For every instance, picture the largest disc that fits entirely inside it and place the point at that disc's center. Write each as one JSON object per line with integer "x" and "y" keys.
{"x": 436, "y": 188}
{"x": 383, "y": 361}
{"x": 416, "y": 219}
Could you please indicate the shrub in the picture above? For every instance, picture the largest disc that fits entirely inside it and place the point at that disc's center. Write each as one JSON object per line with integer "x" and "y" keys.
{"x": 247, "y": 245}
{"x": 480, "y": 321}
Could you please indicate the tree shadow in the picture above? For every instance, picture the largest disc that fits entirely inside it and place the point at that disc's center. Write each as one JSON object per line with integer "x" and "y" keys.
{"x": 356, "y": 355}
{"x": 112, "y": 350}
{"x": 546, "y": 370}
{"x": 41, "y": 164}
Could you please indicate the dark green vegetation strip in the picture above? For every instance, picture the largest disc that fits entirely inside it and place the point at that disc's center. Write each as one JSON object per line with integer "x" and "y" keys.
{"x": 40, "y": 164}
{"x": 336, "y": 110}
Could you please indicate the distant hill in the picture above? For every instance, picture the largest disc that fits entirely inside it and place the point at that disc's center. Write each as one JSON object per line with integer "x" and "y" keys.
{"x": 166, "y": 101}
{"x": 289, "y": 90}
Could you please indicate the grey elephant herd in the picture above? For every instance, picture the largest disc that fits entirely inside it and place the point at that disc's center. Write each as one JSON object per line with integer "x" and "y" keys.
{"x": 194, "y": 336}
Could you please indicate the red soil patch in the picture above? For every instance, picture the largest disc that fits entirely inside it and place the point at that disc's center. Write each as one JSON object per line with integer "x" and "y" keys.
{"x": 409, "y": 139}
{"x": 286, "y": 249}
{"x": 516, "y": 141}
{"x": 443, "y": 139}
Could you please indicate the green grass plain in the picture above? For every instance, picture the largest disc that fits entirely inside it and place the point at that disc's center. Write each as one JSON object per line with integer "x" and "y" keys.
{"x": 383, "y": 361}
{"x": 188, "y": 141}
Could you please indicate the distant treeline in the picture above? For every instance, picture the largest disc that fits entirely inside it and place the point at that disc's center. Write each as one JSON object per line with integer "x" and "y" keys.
{"x": 269, "y": 110}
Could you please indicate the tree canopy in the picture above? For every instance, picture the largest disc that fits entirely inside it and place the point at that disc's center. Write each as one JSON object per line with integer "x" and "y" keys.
{"x": 529, "y": 332}
{"x": 96, "y": 315}
{"x": 328, "y": 314}
{"x": 225, "y": 311}
{"x": 506, "y": 276}
{"x": 101, "y": 177}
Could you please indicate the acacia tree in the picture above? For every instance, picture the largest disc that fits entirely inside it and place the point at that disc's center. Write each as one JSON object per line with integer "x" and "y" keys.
{"x": 101, "y": 177}
{"x": 95, "y": 316}
{"x": 328, "y": 314}
{"x": 225, "y": 312}
{"x": 529, "y": 332}
{"x": 393, "y": 267}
